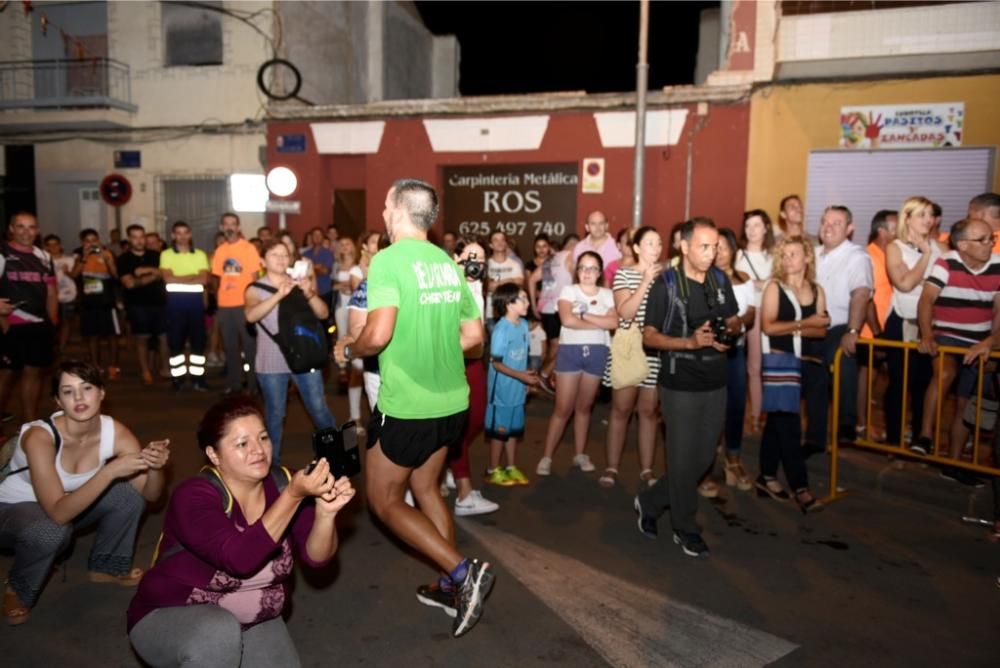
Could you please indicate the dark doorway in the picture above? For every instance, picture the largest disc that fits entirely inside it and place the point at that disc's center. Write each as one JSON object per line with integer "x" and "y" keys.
{"x": 349, "y": 212}
{"x": 17, "y": 181}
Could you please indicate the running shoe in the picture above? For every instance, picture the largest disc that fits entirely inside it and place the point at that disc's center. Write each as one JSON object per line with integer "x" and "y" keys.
{"x": 692, "y": 543}
{"x": 474, "y": 504}
{"x": 515, "y": 474}
{"x": 471, "y": 595}
{"x": 498, "y": 476}
{"x": 437, "y": 597}
{"x": 583, "y": 461}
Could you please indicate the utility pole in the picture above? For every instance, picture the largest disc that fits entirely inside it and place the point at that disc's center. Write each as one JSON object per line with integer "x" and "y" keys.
{"x": 641, "y": 79}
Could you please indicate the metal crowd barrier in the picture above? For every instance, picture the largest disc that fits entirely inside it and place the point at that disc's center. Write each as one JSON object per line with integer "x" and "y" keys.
{"x": 901, "y": 449}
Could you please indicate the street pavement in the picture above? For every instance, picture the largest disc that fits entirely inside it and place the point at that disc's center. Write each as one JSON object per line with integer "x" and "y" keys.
{"x": 887, "y": 576}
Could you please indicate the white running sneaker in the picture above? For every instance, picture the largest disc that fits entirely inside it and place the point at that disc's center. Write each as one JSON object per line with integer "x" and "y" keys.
{"x": 474, "y": 504}
{"x": 544, "y": 466}
{"x": 583, "y": 461}
{"x": 449, "y": 479}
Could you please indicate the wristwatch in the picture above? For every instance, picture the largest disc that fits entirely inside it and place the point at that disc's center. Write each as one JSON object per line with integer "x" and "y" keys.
{"x": 853, "y": 330}
{"x": 347, "y": 352}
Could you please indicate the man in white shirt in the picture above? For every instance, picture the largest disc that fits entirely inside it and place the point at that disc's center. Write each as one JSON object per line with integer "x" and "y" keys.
{"x": 501, "y": 269}
{"x": 844, "y": 271}
{"x": 598, "y": 240}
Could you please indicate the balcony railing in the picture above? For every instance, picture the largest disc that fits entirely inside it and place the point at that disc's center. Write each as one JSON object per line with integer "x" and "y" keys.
{"x": 66, "y": 84}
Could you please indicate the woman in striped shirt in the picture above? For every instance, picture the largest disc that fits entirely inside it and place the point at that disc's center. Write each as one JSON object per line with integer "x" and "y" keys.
{"x": 631, "y": 289}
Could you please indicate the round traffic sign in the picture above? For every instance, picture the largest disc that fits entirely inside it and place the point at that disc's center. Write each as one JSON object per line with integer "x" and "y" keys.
{"x": 115, "y": 189}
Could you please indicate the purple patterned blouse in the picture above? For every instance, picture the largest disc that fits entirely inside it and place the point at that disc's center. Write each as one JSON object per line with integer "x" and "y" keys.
{"x": 225, "y": 562}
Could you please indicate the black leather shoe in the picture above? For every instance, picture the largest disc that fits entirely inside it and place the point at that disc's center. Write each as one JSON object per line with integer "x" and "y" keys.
{"x": 646, "y": 523}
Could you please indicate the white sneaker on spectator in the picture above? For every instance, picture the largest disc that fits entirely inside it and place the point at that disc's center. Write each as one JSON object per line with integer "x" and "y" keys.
{"x": 474, "y": 504}
{"x": 583, "y": 461}
{"x": 544, "y": 466}
{"x": 449, "y": 479}
{"x": 409, "y": 499}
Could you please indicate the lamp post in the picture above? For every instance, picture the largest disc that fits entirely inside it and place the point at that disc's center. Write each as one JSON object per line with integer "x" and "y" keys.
{"x": 281, "y": 181}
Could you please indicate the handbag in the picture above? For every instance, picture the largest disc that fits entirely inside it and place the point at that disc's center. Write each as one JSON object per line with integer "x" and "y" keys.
{"x": 628, "y": 359}
{"x": 781, "y": 374}
{"x": 991, "y": 404}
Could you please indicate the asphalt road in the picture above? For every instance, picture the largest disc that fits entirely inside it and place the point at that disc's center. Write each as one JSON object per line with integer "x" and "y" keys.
{"x": 888, "y": 576}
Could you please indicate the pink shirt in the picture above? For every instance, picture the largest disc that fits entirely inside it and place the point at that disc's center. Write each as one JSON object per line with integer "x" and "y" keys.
{"x": 608, "y": 250}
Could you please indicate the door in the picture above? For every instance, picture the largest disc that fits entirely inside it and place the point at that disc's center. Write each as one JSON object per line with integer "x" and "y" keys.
{"x": 89, "y": 201}
{"x": 349, "y": 213}
{"x": 199, "y": 203}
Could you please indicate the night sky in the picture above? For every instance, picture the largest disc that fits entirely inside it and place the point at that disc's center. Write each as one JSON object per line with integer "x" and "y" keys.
{"x": 534, "y": 47}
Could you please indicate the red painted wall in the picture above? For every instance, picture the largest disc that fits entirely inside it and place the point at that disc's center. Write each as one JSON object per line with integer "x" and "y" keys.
{"x": 718, "y": 171}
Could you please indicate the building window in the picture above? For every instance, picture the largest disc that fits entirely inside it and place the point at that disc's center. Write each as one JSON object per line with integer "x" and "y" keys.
{"x": 192, "y": 33}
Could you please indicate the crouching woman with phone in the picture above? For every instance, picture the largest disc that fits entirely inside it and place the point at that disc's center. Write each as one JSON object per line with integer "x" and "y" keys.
{"x": 215, "y": 594}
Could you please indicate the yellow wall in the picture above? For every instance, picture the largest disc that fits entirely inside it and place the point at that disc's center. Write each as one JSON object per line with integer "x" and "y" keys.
{"x": 786, "y": 122}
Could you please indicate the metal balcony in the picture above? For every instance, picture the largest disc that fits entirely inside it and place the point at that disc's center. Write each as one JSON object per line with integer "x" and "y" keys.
{"x": 94, "y": 83}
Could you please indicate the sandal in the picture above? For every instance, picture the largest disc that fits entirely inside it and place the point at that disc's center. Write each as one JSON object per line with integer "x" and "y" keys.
{"x": 14, "y": 611}
{"x": 646, "y": 476}
{"x": 130, "y": 579}
{"x": 608, "y": 478}
{"x": 736, "y": 476}
{"x": 807, "y": 502}
{"x": 772, "y": 488}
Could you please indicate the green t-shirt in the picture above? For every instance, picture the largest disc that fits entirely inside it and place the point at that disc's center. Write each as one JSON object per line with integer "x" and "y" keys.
{"x": 184, "y": 264}
{"x": 422, "y": 368}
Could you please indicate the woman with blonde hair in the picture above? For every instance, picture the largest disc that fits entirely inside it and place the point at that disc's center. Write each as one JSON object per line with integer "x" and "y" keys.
{"x": 794, "y": 324}
{"x": 908, "y": 261}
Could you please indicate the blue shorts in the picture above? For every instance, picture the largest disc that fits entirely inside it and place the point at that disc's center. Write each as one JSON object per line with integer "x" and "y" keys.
{"x": 503, "y": 422}
{"x": 535, "y": 362}
{"x": 582, "y": 358}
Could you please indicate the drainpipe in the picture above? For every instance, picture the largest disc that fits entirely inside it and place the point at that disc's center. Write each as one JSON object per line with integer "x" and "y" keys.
{"x": 689, "y": 179}
{"x": 641, "y": 77}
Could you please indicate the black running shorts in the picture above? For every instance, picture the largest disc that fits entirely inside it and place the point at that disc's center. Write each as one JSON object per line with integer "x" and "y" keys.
{"x": 410, "y": 443}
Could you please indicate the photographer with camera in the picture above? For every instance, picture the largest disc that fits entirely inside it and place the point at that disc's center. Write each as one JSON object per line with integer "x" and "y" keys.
{"x": 691, "y": 319}
{"x": 273, "y": 368}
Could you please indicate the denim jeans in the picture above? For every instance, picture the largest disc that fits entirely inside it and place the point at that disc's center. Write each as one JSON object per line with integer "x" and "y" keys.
{"x": 274, "y": 388}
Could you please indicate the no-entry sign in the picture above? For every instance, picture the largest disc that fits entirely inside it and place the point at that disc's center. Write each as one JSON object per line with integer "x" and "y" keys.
{"x": 116, "y": 190}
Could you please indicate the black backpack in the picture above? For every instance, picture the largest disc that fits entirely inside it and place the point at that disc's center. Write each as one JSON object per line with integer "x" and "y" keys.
{"x": 301, "y": 336}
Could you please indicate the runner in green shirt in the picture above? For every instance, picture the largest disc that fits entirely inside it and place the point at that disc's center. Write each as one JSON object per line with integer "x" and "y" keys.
{"x": 421, "y": 317}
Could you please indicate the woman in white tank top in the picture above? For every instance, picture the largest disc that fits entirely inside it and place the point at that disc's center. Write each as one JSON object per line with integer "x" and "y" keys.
{"x": 908, "y": 261}
{"x": 75, "y": 469}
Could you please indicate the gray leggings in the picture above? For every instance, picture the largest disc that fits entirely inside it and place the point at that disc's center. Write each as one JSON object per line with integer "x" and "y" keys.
{"x": 207, "y": 636}
{"x": 37, "y": 540}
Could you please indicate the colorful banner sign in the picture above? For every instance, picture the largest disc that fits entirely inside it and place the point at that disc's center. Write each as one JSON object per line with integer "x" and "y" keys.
{"x": 902, "y": 126}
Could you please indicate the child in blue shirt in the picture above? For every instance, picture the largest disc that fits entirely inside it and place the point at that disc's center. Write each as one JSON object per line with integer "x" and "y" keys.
{"x": 507, "y": 383}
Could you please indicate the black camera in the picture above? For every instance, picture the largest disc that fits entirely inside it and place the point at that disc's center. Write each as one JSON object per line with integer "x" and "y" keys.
{"x": 95, "y": 250}
{"x": 340, "y": 447}
{"x": 474, "y": 269}
{"x": 721, "y": 331}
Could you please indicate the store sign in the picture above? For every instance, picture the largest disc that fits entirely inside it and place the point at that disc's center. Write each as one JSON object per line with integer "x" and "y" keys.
{"x": 902, "y": 126}
{"x": 521, "y": 200}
